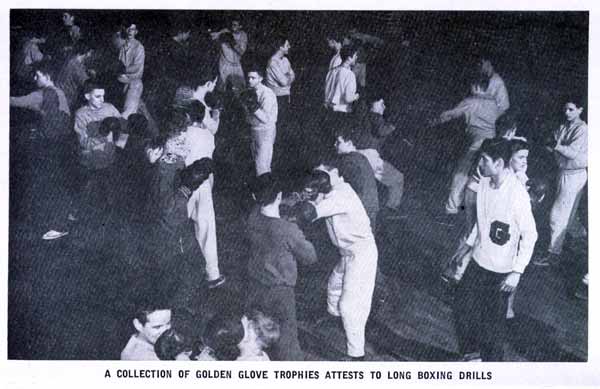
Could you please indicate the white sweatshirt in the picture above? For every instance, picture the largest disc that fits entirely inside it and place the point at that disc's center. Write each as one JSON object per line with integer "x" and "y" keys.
{"x": 504, "y": 236}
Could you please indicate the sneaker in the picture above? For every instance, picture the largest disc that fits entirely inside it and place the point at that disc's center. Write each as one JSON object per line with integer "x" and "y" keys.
{"x": 549, "y": 259}
{"x": 217, "y": 282}
{"x": 348, "y": 358}
{"x": 51, "y": 235}
{"x": 472, "y": 357}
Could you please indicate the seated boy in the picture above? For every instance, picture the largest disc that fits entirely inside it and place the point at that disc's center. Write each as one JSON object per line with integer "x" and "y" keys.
{"x": 150, "y": 322}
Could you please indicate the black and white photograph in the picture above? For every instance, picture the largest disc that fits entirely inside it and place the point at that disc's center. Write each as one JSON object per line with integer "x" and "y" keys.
{"x": 312, "y": 185}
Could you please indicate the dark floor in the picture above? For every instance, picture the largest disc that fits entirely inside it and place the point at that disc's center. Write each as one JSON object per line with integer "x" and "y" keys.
{"x": 73, "y": 298}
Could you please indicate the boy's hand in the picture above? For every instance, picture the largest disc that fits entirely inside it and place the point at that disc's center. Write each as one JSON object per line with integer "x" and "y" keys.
{"x": 510, "y": 282}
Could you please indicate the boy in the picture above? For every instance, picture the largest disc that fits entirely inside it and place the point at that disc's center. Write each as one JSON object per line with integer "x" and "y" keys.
{"x": 276, "y": 246}
{"x": 570, "y": 150}
{"x": 502, "y": 242}
{"x": 262, "y": 121}
{"x": 351, "y": 284}
{"x": 150, "y": 322}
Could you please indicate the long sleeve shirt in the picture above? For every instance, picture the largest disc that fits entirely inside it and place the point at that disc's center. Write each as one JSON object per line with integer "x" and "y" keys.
{"x": 265, "y": 117}
{"x": 233, "y": 55}
{"x": 340, "y": 89}
{"x": 280, "y": 75}
{"x": 497, "y": 90}
{"x": 88, "y": 119}
{"x": 53, "y": 107}
{"x": 480, "y": 115}
{"x": 133, "y": 55}
{"x": 276, "y": 246}
{"x": 571, "y": 148}
{"x": 505, "y": 234}
{"x": 345, "y": 216}
{"x": 176, "y": 231}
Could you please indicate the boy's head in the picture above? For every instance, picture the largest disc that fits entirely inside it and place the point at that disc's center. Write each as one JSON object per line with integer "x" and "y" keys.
{"x": 255, "y": 74}
{"x": 223, "y": 334}
{"x": 345, "y": 140}
{"x": 94, "y": 94}
{"x": 495, "y": 156}
{"x": 260, "y": 329}
{"x": 282, "y": 44}
{"x": 195, "y": 111}
{"x": 43, "y": 74}
{"x": 150, "y": 322}
{"x": 170, "y": 344}
{"x": 266, "y": 189}
{"x": 108, "y": 125}
{"x": 573, "y": 107}
{"x": 334, "y": 40}
{"x": 375, "y": 101}
{"x": 321, "y": 180}
{"x": 519, "y": 155}
{"x": 137, "y": 124}
{"x": 349, "y": 54}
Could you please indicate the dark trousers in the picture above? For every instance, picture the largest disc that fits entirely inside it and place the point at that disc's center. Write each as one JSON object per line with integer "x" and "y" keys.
{"x": 480, "y": 310}
{"x": 278, "y": 302}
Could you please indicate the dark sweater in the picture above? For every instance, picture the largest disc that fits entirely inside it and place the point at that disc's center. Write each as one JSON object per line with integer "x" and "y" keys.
{"x": 373, "y": 131}
{"x": 357, "y": 172}
{"x": 275, "y": 246}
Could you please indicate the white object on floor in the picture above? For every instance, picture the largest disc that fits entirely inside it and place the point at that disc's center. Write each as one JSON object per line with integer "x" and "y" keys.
{"x": 51, "y": 235}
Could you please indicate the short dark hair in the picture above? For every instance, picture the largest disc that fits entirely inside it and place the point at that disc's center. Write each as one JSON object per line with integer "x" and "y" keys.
{"x": 279, "y": 41}
{"x": 518, "y": 144}
{"x": 481, "y": 80}
{"x": 89, "y": 86}
{"x": 318, "y": 182}
{"x": 45, "y": 67}
{"x": 497, "y": 148}
{"x": 108, "y": 125}
{"x": 347, "y": 52}
{"x": 137, "y": 124}
{"x": 157, "y": 142}
{"x": 147, "y": 308}
{"x": 196, "y": 111}
{"x": 170, "y": 344}
{"x": 223, "y": 334}
{"x": 579, "y": 100}
{"x": 506, "y": 122}
{"x": 265, "y": 189}
{"x": 202, "y": 77}
{"x": 347, "y": 133}
{"x": 373, "y": 95}
{"x": 257, "y": 68}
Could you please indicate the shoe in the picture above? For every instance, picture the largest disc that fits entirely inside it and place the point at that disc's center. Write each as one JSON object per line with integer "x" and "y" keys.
{"x": 348, "y": 358}
{"x": 471, "y": 357}
{"x": 550, "y": 259}
{"x": 51, "y": 235}
{"x": 217, "y": 282}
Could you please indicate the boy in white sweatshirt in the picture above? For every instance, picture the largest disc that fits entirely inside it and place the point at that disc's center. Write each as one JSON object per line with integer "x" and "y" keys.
{"x": 502, "y": 242}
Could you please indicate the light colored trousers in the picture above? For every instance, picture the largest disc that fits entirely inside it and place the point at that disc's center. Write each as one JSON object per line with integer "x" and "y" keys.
{"x": 262, "y": 149}
{"x": 461, "y": 175}
{"x": 350, "y": 290}
{"x": 202, "y": 213}
{"x": 133, "y": 95}
{"x": 563, "y": 215}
